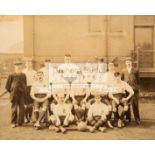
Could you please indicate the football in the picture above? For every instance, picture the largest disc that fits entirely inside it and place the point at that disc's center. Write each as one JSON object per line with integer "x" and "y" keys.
{"x": 82, "y": 126}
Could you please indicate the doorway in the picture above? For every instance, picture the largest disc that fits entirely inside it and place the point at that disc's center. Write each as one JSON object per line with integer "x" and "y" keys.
{"x": 144, "y": 42}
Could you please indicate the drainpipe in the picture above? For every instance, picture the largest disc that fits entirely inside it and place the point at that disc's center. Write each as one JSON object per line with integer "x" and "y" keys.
{"x": 33, "y": 18}
{"x": 106, "y": 38}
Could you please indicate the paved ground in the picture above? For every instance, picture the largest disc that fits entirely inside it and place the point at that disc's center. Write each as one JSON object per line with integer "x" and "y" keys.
{"x": 145, "y": 131}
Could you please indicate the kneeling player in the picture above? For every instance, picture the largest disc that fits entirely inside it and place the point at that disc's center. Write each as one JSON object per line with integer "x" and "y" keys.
{"x": 118, "y": 96}
{"x": 62, "y": 114}
{"x": 40, "y": 93}
{"x": 97, "y": 115}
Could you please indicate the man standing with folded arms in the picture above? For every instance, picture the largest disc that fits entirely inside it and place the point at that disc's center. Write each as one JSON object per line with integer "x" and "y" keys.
{"x": 131, "y": 76}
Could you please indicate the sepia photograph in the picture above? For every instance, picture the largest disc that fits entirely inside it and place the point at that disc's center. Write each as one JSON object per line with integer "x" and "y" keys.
{"x": 77, "y": 77}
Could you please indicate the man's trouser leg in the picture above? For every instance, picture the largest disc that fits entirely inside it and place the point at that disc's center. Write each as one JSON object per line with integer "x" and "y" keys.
{"x": 30, "y": 110}
{"x": 21, "y": 102}
{"x": 128, "y": 114}
{"x": 14, "y": 112}
{"x": 135, "y": 105}
{"x": 29, "y": 103}
{"x": 26, "y": 113}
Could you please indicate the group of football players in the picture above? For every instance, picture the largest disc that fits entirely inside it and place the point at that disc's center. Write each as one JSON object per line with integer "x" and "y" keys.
{"x": 89, "y": 96}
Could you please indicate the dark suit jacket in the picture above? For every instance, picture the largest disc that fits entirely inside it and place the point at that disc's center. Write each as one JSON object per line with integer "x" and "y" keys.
{"x": 131, "y": 78}
{"x": 16, "y": 85}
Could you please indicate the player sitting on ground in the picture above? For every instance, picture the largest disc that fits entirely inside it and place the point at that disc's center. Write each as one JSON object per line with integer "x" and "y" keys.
{"x": 62, "y": 114}
{"x": 100, "y": 87}
{"x": 118, "y": 94}
{"x": 79, "y": 94}
{"x": 97, "y": 115}
{"x": 40, "y": 93}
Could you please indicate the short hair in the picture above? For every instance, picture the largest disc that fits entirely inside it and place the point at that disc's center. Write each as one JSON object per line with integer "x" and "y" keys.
{"x": 116, "y": 74}
{"x": 102, "y": 60}
{"x": 47, "y": 60}
{"x": 67, "y": 55}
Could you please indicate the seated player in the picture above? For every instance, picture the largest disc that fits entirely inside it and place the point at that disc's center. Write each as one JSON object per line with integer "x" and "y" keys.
{"x": 120, "y": 94}
{"x": 108, "y": 79}
{"x": 100, "y": 87}
{"x": 79, "y": 94}
{"x": 62, "y": 114}
{"x": 40, "y": 93}
{"x": 97, "y": 115}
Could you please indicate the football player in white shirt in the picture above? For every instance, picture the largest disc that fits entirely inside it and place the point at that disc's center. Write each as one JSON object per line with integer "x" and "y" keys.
{"x": 102, "y": 66}
{"x": 62, "y": 114}
{"x": 79, "y": 93}
{"x": 97, "y": 115}
{"x": 100, "y": 87}
{"x": 47, "y": 70}
{"x": 30, "y": 75}
{"x": 40, "y": 94}
{"x": 120, "y": 93}
{"x": 68, "y": 69}
{"x": 108, "y": 77}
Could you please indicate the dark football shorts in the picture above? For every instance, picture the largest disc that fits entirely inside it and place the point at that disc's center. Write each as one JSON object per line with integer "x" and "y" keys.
{"x": 79, "y": 98}
{"x": 105, "y": 99}
{"x": 62, "y": 118}
{"x": 40, "y": 95}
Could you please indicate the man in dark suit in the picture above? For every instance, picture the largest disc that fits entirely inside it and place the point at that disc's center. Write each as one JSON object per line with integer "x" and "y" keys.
{"x": 16, "y": 86}
{"x": 131, "y": 76}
